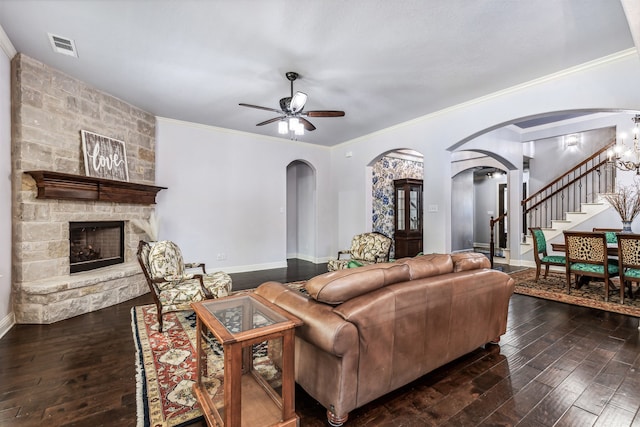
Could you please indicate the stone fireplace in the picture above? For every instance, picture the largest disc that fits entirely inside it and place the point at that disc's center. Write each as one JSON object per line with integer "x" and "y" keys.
{"x": 49, "y": 109}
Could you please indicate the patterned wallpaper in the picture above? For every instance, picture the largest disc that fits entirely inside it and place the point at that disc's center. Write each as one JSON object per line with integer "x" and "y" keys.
{"x": 384, "y": 172}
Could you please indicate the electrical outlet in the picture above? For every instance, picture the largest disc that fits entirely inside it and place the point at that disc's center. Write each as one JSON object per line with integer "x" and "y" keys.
{"x": 222, "y": 256}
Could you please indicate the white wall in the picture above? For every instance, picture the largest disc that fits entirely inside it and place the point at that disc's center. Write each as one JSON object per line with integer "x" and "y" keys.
{"x": 552, "y": 159}
{"x": 604, "y": 84}
{"x": 463, "y": 211}
{"x": 6, "y": 312}
{"x": 301, "y": 212}
{"x": 227, "y": 188}
{"x": 306, "y": 220}
{"x": 227, "y": 194}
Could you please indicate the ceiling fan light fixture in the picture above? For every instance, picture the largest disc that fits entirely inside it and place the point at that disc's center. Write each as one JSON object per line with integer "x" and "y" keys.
{"x": 283, "y": 128}
{"x": 297, "y": 102}
{"x": 299, "y": 129}
{"x": 293, "y": 122}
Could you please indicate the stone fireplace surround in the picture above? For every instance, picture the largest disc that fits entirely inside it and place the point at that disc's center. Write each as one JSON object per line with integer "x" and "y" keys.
{"x": 49, "y": 109}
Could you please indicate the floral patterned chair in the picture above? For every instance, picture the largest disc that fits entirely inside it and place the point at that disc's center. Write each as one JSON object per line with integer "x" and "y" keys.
{"x": 587, "y": 257}
{"x": 172, "y": 288}
{"x": 366, "y": 248}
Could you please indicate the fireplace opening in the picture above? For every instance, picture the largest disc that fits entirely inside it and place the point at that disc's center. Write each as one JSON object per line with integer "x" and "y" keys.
{"x": 95, "y": 244}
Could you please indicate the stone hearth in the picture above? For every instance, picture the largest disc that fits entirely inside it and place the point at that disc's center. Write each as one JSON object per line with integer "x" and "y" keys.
{"x": 49, "y": 109}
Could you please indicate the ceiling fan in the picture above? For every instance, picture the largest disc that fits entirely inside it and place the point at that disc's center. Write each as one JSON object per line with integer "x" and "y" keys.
{"x": 291, "y": 111}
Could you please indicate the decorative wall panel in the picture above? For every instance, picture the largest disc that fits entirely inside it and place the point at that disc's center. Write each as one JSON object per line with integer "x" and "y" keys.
{"x": 384, "y": 172}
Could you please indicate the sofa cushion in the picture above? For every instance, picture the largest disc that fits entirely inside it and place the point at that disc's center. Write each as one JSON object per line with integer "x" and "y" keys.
{"x": 336, "y": 287}
{"x": 428, "y": 265}
{"x": 469, "y": 261}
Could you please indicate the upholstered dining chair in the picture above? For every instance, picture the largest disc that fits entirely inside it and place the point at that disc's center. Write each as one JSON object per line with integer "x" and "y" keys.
{"x": 586, "y": 254}
{"x": 366, "y": 248}
{"x": 611, "y": 234}
{"x": 628, "y": 262}
{"x": 540, "y": 255}
{"x": 174, "y": 288}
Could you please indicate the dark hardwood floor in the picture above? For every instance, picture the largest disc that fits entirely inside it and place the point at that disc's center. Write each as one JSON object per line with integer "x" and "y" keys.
{"x": 558, "y": 365}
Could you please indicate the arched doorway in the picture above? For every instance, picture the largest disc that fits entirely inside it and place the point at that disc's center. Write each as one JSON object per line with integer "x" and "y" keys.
{"x": 390, "y": 166}
{"x": 479, "y": 194}
{"x": 301, "y": 211}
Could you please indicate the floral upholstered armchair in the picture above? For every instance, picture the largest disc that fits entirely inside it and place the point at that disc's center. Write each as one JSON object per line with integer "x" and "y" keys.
{"x": 366, "y": 248}
{"x": 172, "y": 288}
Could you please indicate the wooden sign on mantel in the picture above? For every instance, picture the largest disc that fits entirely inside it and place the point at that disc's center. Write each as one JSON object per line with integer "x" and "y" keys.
{"x": 104, "y": 157}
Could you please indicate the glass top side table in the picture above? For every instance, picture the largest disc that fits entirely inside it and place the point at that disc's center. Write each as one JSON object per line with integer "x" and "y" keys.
{"x": 242, "y": 396}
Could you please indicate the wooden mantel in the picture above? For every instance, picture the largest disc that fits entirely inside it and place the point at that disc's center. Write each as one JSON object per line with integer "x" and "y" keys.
{"x": 58, "y": 185}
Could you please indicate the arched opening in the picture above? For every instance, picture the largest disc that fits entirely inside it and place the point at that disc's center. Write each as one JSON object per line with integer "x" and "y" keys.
{"x": 301, "y": 211}
{"x": 533, "y": 151}
{"x": 385, "y": 169}
{"x": 479, "y": 194}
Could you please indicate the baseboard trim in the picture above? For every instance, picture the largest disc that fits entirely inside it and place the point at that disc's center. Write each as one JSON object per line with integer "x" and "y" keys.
{"x": 309, "y": 258}
{"x": 253, "y": 267}
{"x": 7, "y": 323}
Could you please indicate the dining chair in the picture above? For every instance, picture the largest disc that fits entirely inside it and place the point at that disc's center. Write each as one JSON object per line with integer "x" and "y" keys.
{"x": 628, "y": 262}
{"x": 611, "y": 234}
{"x": 586, "y": 254}
{"x": 540, "y": 255}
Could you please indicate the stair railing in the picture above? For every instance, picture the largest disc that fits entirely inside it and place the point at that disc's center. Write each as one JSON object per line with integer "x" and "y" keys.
{"x": 580, "y": 184}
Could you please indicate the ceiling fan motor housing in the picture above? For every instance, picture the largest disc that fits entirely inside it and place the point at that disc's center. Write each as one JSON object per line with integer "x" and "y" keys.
{"x": 285, "y": 104}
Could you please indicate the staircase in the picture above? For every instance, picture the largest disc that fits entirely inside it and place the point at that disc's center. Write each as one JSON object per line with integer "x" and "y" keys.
{"x": 570, "y": 199}
{"x": 572, "y": 219}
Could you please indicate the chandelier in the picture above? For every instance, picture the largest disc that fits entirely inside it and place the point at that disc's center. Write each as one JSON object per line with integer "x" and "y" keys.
{"x": 624, "y": 157}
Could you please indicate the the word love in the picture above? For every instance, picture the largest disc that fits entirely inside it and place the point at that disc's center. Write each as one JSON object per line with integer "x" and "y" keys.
{"x": 109, "y": 161}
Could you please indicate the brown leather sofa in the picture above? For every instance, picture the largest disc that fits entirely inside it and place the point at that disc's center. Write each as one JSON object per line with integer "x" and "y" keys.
{"x": 372, "y": 329}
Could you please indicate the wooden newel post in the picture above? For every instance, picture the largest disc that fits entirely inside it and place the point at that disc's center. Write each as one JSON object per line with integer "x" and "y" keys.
{"x": 491, "y": 241}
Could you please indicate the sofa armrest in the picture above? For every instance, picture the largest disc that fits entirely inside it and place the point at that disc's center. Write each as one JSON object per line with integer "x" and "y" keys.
{"x": 322, "y": 327}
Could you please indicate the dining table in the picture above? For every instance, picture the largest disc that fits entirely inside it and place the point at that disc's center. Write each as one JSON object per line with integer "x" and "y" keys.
{"x": 612, "y": 250}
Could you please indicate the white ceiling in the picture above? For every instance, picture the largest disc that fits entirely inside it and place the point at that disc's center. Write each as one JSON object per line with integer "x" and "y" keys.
{"x": 382, "y": 62}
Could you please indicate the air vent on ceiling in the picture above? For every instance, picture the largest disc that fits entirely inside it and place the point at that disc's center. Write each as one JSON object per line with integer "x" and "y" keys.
{"x": 63, "y": 45}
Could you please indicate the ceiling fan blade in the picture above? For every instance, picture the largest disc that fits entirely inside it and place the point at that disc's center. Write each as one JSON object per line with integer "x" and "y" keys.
{"x": 266, "y": 122}
{"x": 260, "y": 108}
{"x": 324, "y": 113}
{"x": 307, "y": 124}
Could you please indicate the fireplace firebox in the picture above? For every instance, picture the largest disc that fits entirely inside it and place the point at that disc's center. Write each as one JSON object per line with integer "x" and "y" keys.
{"x": 95, "y": 244}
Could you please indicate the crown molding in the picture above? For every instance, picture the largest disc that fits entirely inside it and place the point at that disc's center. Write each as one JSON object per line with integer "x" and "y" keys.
{"x": 6, "y": 45}
{"x": 631, "y": 52}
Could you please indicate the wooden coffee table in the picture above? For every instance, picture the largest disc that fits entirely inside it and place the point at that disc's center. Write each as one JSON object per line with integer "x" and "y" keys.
{"x": 245, "y": 398}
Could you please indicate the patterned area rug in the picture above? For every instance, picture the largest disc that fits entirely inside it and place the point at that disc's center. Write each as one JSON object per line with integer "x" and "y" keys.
{"x": 589, "y": 295}
{"x": 166, "y": 366}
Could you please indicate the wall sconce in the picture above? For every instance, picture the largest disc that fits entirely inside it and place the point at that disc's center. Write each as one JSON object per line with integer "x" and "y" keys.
{"x": 572, "y": 140}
